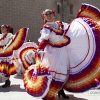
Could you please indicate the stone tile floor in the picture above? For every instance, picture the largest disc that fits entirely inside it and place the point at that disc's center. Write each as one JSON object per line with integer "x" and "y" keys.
{"x": 17, "y": 92}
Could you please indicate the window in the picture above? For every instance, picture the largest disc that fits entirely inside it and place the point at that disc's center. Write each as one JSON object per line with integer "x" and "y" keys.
{"x": 71, "y": 9}
{"x": 58, "y": 9}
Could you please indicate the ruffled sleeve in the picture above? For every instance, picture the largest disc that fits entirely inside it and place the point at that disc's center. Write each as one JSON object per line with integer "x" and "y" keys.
{"x": 44, "y": 34}
{"x": 65, "y": 25}
{"x": 44, "y": 39}
{"x": 6, "y": 39}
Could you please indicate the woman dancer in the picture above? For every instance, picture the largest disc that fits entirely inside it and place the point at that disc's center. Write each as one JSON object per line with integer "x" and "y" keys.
{"x": 7, "y": 46}
{"x": 53, "y": 41}
{"x": 5, "y": 37}
{"x": 71, "y": 55}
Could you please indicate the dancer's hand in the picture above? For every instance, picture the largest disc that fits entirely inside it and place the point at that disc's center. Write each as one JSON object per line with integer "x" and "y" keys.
{"x": 38, "y": 50}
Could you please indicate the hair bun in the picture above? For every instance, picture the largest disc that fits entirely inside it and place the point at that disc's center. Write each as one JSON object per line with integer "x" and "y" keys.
{"x": 53, "y": 11}
{"x": 8, "y": 27}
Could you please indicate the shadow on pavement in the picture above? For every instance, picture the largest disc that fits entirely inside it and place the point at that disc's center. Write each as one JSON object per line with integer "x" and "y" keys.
{"x": 71, "y": 97}
{"x": 18, "y": 76}
{"x": 12, "y": 88}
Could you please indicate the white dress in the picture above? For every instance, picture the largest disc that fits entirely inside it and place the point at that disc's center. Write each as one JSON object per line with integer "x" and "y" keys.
{"x": 4, "y": 40}
{"x": 52, "y": 69}
{"x": 72, "y": 56}
{"x": 57, "y": 59}
{"x": 8, "y": 44}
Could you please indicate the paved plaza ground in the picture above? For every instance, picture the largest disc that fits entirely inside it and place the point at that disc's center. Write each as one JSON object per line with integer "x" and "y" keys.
{"x": 17, "y": 92}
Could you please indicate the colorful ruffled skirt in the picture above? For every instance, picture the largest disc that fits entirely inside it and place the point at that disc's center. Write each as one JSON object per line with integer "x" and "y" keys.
{"x": 7, "y": 66}
{"x": 85, "y": 74}
{"x": 83, "y": 59}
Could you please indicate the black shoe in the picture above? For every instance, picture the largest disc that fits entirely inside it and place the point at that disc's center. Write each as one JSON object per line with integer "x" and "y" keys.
{"x": 7, "y": 84}
{"x": 61, "y": 93}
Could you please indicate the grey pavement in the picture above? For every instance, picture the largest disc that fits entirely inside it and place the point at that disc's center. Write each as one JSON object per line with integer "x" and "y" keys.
{"x": 17, "y": 92}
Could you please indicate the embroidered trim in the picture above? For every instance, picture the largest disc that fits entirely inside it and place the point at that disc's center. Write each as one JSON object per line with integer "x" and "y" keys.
{"x": 4, "y": 37}
{"x": 59, "y": 31}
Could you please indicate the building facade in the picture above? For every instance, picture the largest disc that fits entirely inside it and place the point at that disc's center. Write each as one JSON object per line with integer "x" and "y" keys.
{"x": 27, "y": 13}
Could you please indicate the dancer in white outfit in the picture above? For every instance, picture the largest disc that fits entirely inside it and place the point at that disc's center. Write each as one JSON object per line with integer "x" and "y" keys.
{"x": 5, "y": 38}
{"x": 53, "y": 41}
{"x": 7, "y": 46}
{"x": 71, "y": 55}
